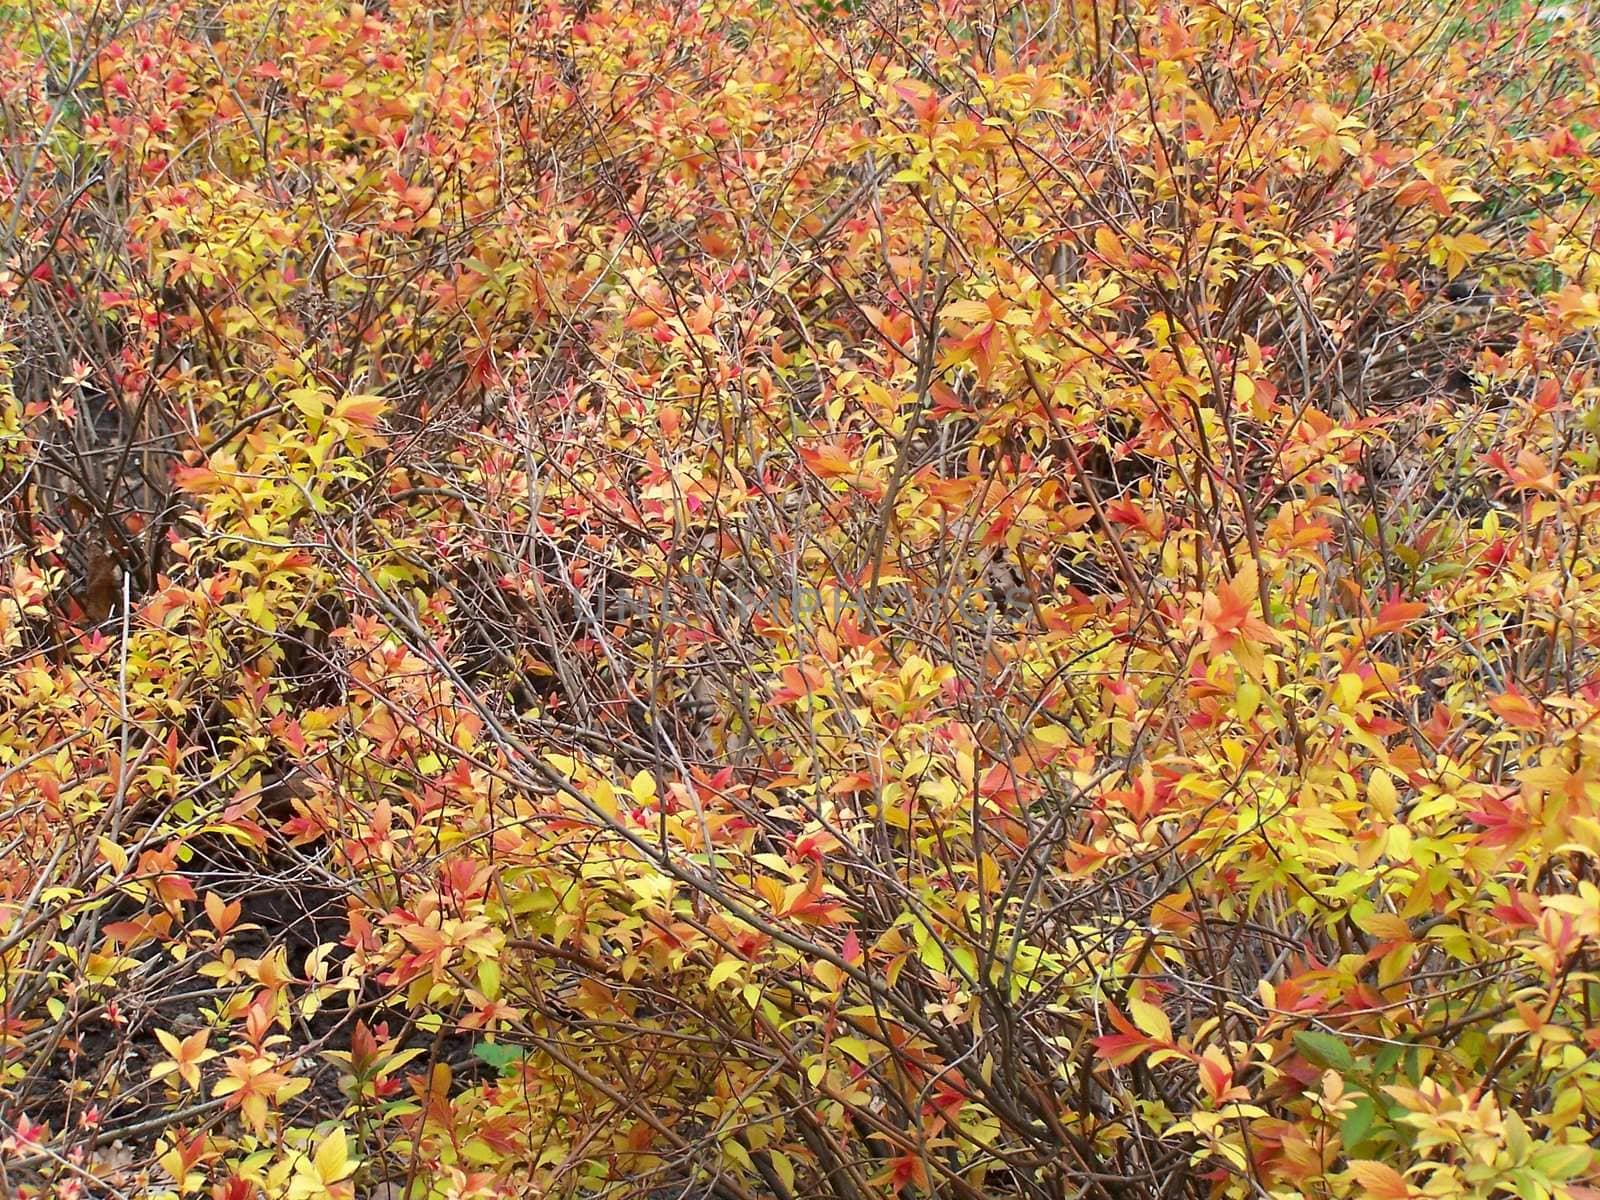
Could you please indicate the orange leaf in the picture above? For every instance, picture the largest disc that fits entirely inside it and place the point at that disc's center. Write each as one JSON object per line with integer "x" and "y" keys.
{"x": 364, "y": 411}
{"x": 1379, "y": 1180}
{"x": 828, "y": 460}
{"x": 1518, "y": 711}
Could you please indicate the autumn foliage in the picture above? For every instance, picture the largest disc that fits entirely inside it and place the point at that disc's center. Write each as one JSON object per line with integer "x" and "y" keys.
{"x": 651, "y": 599}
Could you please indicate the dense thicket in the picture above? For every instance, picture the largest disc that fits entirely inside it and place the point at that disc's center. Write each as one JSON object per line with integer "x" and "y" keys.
{"x": 656, "y": 599}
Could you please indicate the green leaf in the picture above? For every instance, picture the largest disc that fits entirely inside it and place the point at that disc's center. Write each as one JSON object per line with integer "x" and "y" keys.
{"x": 1357, "y": 1123}
{"x": 783, "y": 1167}
{"x": 732, "y": 1149}
{"x": 1325, "y": 1050}
{"x": 498, "y": 1055}
{"x": 1563, "y": 1162}
{"x": 1387, "y": 1058}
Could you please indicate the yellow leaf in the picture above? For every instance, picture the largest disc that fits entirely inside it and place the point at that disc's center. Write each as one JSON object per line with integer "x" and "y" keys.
{"x": 1151, "y": 1021}
{"x": 771, "y": 891}
{"x": 1399, "y": 843}
{"x": 1348, "y": 690}
{"x": 643, "y": 787}
{"x": 333, "y": 1158}
{"x": 312, "y": 402}
{"x": 1381, "y": 793}
{"x": 113, "y": 854}
{"x": 1247, "y": 701}
{"x": 1386, "y": 927}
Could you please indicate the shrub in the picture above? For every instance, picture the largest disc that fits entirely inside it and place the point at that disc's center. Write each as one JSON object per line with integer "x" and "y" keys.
{"x": 658, "y": 599}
